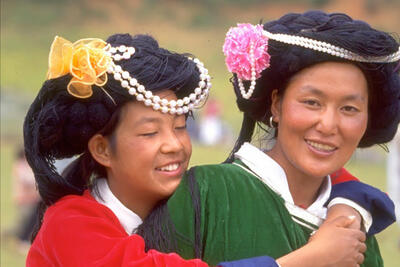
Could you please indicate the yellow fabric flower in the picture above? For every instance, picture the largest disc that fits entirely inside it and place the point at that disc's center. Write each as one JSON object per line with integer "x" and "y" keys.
{"x": 85, "y": 60}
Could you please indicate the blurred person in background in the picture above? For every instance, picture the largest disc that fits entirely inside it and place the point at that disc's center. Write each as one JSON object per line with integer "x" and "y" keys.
{"x": 211, "y": 132}
{"x": 26, "y": 198}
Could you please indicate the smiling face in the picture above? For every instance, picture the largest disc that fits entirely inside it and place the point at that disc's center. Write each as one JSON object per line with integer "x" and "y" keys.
{"x": 147, "y": 156}
{"x": 321, "y": 118}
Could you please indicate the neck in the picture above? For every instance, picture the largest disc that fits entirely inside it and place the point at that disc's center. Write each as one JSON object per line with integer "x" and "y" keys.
{"x": 304, "y": 192}
{"x": 303, "y": 187}
{"x": 134, "y": 201}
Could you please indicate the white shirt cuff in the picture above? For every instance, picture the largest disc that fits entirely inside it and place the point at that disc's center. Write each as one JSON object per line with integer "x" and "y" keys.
{"x": 366, "y": 216}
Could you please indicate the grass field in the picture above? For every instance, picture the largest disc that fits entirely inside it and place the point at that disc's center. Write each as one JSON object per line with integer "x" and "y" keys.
{"x": 372, "y": 173}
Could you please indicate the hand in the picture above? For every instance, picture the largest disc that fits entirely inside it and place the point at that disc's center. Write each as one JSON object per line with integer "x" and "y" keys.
{"x": 336, "y": 244}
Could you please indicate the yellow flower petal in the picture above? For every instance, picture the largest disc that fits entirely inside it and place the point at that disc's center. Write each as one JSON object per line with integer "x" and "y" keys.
{"x": 59, "y": 57}
{"x": 101, "y": 80}
{"x": 85, "y": 60}
{"x": 79, "y": 89}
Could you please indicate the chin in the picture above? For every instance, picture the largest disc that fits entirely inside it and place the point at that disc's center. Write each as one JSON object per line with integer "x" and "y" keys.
{"x": 171, "y": 188}
{"x": 319, "y": 173}
{"x": 321, "y": 169}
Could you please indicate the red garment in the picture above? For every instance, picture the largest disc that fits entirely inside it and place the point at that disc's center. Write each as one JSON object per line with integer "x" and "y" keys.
{"x": 341, "y": 176}
{"x": 79, "y": 231}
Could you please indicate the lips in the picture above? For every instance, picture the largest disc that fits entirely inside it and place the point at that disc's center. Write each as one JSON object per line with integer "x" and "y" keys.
{"x": 321, "y": 147}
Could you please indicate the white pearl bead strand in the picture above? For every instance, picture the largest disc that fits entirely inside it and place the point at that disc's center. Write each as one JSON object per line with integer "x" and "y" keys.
{"x": 179, "y": 106}
{"x": 329, "y": 48}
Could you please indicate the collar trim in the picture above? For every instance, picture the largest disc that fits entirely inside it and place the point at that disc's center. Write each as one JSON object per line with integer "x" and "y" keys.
{"x": 271, "y": 173}
{"x": 129, "y": 220}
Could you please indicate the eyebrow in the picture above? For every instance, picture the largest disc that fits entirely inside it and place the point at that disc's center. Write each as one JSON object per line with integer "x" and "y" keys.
{"x": 145, "y": 119}
{"x": 319, "y": 92}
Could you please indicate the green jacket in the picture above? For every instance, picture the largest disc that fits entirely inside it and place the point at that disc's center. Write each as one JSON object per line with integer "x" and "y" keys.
{"x": 229, "y": 214}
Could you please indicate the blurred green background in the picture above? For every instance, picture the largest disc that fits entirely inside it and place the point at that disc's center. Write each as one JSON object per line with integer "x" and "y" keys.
{"x": 28, "y": 28}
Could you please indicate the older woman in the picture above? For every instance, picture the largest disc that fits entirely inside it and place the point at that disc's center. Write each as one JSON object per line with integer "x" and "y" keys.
{"x": 325, "y": 84}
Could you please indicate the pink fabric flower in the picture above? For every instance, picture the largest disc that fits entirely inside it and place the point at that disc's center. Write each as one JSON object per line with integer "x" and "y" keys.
{"x": 237, "y": 50}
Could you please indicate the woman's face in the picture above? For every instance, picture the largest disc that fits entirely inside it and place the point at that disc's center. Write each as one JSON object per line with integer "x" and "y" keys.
{"x": 321, "y": 118}
{"x": 150, "y": 154}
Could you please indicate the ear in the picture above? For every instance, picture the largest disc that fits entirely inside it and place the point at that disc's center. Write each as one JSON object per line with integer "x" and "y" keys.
{"x": 99, "y": 147}
{"x": 275, "y": 106}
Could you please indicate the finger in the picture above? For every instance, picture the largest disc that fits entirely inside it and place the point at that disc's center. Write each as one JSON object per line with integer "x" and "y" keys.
{"x": 362, "y": 237}
{"x": 358, "y": 234}
{"x": 360, "y": 258}
{"x": 362, "y": 248}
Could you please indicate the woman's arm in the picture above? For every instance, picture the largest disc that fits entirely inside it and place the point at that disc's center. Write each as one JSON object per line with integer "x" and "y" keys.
{"x": 374, "y": 206}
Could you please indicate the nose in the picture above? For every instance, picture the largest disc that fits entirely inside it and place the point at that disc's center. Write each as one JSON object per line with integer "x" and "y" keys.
{"x": 171, "y": 143}
{"x": 328, "y": 122}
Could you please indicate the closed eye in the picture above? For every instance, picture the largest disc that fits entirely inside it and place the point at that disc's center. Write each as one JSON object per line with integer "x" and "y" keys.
{"x": 181, "y": 127}
{"x": 148, "y": 134}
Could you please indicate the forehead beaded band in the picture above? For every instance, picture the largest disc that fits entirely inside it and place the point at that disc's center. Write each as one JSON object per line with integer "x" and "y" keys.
{"x": 246, "y": 52}
{"x": 89, "y": 61}
{"x": 134, "y": 88}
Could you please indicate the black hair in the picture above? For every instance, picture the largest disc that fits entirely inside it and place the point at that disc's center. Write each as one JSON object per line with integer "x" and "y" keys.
{"x": 286, "y": 60}
{"x": 59, "y": 125}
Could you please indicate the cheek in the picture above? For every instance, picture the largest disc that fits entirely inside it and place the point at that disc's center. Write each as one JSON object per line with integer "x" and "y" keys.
{"x": 296, "y": 118}
{"x": 354, "y": 128}
{"x": 135, "y": 152}
{"x": 186, "y": 143}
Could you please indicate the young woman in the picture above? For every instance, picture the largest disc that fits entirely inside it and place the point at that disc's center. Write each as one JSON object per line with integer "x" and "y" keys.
{"x": 326, "y": 84}
{"x": 121, "y": 105}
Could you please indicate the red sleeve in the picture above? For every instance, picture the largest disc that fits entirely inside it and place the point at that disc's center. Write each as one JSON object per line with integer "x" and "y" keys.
{"x": 78, "y": 232}
{"x": 341, "y": 176}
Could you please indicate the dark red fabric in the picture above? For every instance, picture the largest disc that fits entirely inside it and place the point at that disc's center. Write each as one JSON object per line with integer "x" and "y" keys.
{"x": 341, "y": 176}
{"x": 79, "y": 231}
